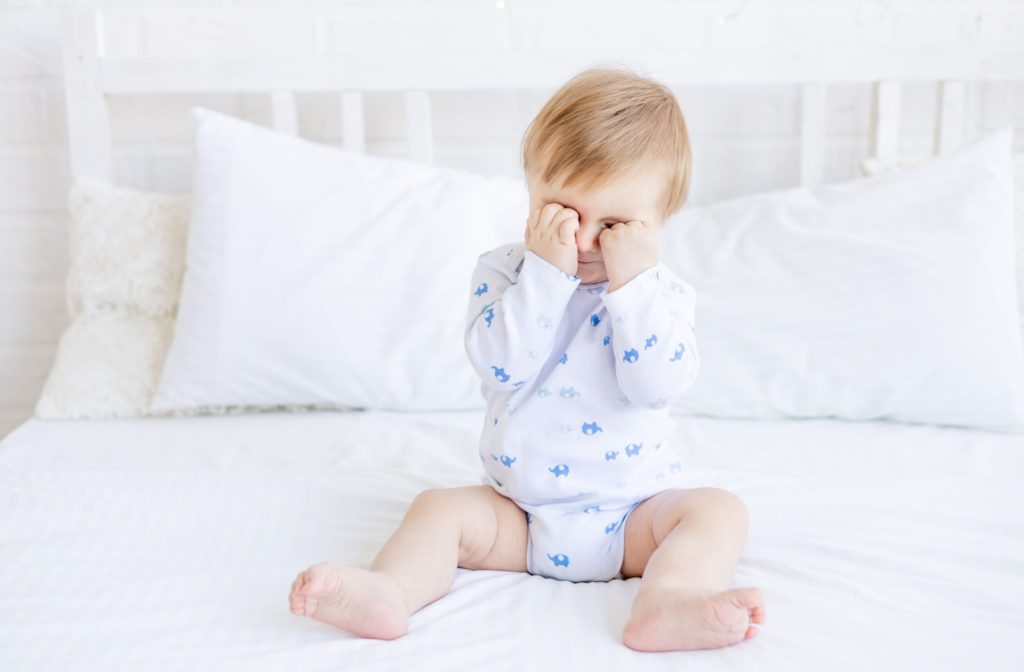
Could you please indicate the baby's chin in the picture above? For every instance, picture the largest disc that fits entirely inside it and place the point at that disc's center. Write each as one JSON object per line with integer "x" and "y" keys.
{"x": 592, "y": 273}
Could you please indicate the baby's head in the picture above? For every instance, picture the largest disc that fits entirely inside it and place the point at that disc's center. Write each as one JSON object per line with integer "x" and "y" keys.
{"x": 611, "y": 145}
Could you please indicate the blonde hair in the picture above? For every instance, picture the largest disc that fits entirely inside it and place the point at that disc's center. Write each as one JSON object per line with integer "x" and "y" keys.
{"x": 607, "y": 122}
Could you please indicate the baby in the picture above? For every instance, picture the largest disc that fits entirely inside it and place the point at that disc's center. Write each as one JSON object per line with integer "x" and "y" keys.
{"x": 582, "y": 340}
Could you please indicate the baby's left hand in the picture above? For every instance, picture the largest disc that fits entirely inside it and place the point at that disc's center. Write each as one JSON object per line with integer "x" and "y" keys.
{"x": 628, "y": 249}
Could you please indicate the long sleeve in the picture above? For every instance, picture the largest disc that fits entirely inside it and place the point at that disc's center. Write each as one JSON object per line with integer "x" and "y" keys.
{"x": 652, "y": 320}
{"x": 514, "y": 315}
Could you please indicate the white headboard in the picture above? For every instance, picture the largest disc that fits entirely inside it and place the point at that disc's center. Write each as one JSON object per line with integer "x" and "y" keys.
{"x": 520, "y": 44}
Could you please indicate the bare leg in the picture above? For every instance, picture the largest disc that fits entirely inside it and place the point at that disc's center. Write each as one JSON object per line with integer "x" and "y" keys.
{"x": 472, "y": 527}
{"x": 684, "y": 601}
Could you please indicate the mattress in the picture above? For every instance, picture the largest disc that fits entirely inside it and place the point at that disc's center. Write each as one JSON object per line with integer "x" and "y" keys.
{"x": 171, "y": 544}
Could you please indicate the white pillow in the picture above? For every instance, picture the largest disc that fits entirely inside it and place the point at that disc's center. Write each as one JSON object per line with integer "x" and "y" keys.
{"x": 880, "y": 298}
{"x": 316, "y": 275}
{"x": 880, "y": 166}
{"x": 127, "y": 259}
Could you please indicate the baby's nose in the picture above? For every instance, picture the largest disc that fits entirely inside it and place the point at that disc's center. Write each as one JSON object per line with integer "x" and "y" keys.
{"x": 586, "y": 241}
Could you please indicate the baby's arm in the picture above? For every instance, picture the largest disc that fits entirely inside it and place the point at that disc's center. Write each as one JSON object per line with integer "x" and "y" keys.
{"x": 513, "y": 318}
{"x": 655, "y": 345}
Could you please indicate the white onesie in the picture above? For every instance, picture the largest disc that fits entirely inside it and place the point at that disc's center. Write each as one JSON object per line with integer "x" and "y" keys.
{"x": 577, "y": 383}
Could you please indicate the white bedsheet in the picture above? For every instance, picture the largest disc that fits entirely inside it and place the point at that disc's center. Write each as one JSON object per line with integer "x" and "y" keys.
{"x": 170, "y": 544}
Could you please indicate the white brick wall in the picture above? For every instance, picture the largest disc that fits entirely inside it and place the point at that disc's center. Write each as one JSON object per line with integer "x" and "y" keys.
{"x": 745, "y": 138}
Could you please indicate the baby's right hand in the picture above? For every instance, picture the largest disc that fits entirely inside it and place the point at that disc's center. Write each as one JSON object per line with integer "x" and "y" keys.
{"x": 551, "y": 235}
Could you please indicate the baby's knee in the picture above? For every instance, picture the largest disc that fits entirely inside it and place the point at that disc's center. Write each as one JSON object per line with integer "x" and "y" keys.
{"x": 447, "y": 499}
{"x": 723, "y": 506}
{"x": 727, "y": 504}
{"x": 434, "y": 499}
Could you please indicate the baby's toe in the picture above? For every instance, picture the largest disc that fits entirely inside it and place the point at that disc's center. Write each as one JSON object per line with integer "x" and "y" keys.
{"x": 314, "y": 580}
{"x": 752, "y": 600}
{"x": 297, "y": 597}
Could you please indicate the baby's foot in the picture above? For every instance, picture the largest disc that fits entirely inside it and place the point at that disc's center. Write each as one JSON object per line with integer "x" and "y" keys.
{"x": 364, "y": 603}
{"x": 667, "y": 619}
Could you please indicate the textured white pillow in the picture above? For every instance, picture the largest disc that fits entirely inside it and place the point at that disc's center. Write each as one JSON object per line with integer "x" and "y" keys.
{"x": 316, "y": 275}
{"x": 880, "y": 298}
{"x": 127, "y": 250}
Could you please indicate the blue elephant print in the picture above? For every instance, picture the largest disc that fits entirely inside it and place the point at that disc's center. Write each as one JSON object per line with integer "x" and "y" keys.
{"x": 481, "y": 290}
{"x": 560, "y": 560}
{"x": 489, "y": 315}
{"x": 678, "y": 354}
{"x": 500, "y": 374}
{"x": 611, "y": 527}
{"x": 543, "y": 392}
{"x": 568, "y": 393}
{"x": 611, "y": 455}
{"x": 631, "y": 356}
{"x": 594, "y": 320}
{"x": 650, "y": 341}
{"x": 675, "y": 467}
{"x": 559, "y": 470}
{"x": 564, "y": 358}
{"x": 596, "y": 508}
{"x": 591, "y": 428}
{"x": 607, "y": 340}
{"x": 633, "y": 449}
{"x": 507, "y": 461}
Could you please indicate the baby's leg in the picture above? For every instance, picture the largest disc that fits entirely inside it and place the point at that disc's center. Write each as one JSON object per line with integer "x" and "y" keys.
{"x": 686, "y": 544}
{"x": 472, "y": 527}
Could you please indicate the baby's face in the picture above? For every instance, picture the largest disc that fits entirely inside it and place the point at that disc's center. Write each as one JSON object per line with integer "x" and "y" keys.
{"x": 634, "y": 197}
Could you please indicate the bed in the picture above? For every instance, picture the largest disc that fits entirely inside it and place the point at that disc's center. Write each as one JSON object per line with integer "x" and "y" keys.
{"x": 170, "y": 542}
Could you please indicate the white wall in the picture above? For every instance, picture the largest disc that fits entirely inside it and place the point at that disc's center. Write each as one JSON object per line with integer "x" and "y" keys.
{"x": 745, "y": 139}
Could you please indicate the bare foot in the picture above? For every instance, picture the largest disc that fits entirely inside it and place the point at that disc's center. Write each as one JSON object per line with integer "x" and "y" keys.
{"x": 666, "y": 619}
{"x": 362, "y": 602}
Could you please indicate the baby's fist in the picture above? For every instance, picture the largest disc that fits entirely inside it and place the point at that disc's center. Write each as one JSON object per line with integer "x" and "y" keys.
{"x": 551, "y": 235}
{"x": 628, "y": 249}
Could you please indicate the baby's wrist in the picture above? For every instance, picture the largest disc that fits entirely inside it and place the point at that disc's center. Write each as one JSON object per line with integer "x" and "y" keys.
{"x": 540, "y": 267}
{"x": 553, "y": 259}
